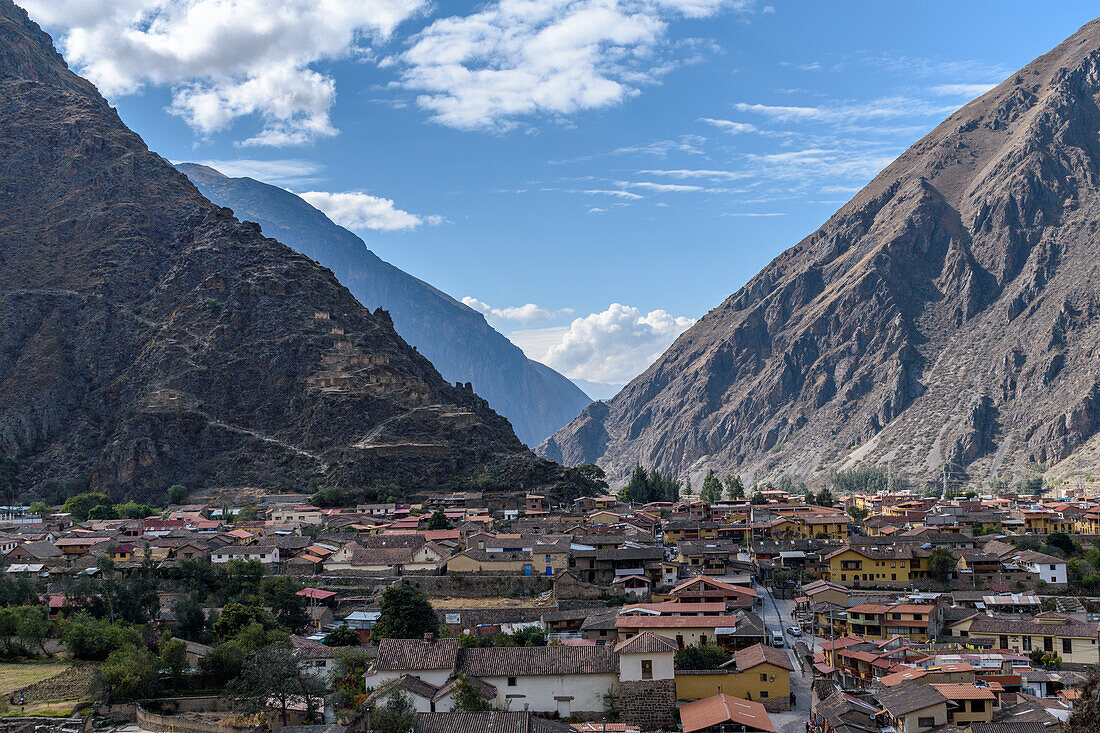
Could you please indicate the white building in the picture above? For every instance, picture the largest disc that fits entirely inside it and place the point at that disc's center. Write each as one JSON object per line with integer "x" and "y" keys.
{"x": 265, "y": 554}
{"x": 1046, "y": 567}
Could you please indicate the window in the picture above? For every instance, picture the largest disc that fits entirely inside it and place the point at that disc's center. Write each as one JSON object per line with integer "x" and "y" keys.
{"x": 1027, "y": 643}
{"x": 926, "y": 722}
{"x": 680, "y": 641}
{"x": 1067, "y": 646}
{"x": 1051, "y": 567}
{"x": 702, "y": 639}
{"x": 1003, "y": 643}
{"x": 977, "y": 706}
{"x": 893, "y": 576}
{"x": 548, "y": 558}
{"x": 511, "y": 681}
{"x": 647, "y": 669}
{"x": 763, "y": 693}
{"x": 1048, "y": 644}
{"x": 763, "y": 678}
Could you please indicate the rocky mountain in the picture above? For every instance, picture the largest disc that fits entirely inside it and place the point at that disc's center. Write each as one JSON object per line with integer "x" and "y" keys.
{"x": 458, "y": 341}
{"x": 945, "y": 320}
{"x": 148, "y": 337}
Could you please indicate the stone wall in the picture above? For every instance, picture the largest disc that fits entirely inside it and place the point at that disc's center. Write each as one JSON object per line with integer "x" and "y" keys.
{"x": 650, "y": 704}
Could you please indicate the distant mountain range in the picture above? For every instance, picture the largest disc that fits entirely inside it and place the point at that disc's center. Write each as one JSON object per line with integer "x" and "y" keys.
{"x": 458, "y": 341}
{"x": 945, "y": 322}
{"x": 148, "y": 337}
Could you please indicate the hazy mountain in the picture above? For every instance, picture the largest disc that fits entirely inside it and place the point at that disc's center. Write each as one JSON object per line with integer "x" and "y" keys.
{"x": 946, "y": 318}
{"x": 148, "y": 337}
{"x": 458, "y": 341}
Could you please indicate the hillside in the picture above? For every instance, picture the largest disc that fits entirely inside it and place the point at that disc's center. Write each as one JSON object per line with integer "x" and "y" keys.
{"x": 946, "y": 319}
{"x": 148, "y": 337}
{"x": 456, "y": 339}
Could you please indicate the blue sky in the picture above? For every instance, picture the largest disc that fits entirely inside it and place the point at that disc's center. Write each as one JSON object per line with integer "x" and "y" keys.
{"x": 592, "y": 174}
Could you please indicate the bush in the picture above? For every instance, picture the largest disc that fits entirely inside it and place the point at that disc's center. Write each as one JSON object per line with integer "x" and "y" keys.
{"x": 130, "y": 673}
{"x": 708, "y": 656}
{"x": 95, "y": 639}
{"x": 221, "y": 664}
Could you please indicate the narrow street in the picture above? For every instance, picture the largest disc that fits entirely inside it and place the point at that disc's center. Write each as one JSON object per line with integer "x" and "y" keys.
{"x": 776, "y": 613}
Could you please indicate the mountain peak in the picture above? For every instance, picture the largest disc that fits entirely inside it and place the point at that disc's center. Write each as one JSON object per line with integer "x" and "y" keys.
{"x": 941, "y": 320}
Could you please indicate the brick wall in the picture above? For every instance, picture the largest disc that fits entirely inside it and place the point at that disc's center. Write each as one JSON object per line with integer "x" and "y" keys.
{"x": 650, "y": 704}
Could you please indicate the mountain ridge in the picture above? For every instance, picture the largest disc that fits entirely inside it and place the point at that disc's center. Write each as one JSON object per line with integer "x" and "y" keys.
{"x": 455, "y": 338}
{"x": 148, "y": 337}
{"x": 940, "y": 322}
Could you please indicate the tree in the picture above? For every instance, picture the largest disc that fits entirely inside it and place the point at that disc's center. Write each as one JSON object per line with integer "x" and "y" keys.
{"x": 130, "y": 673}
{"x": 95, "y": 639}
{"x": 81, "y": 505}
{"x": 1087, "y": 710}
{"x": 708, "y": 656}
{"x": 103, "y": 511}
{"x": 734, "y": 488}
{"x": 273, "y": 677}
{"x": 406, "y": 614}
{"x": 173, "y": 657}
{"x": 190, "y": 619}
{"x": 758, "y": 498}
{"x": 254, "y": 637}
{"x": 397, "y": 716}
{"x": 177, "y": 493}
{"x": 130, "y": 510}
{"x": 941, "y": 564}
{"x": 594, "y": 475}
{"x": 646, "y": 486}
{"x": 712, "y": 488}
{"x": 222, "y": 663}
{"x": 39, "y": 507}
{"x": 438, "y": 520}
{"x": 280, "y": 594}
{"x": 235, "y": 617}
{"x": 824, "y": 498}
{"x": 330, "y": 498}
{"x": 527, "y": 636}
{"x": 467, "y": 698}
{"x": 342, "y": 635}
{"x": 857, "y": 513}
{"x": 867, "y": 480}
{"x": 33, "y": 627}
{"x": 1062, "y": 541}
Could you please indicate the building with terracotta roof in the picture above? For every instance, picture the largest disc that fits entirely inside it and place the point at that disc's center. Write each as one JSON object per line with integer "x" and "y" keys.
{"x": 722, "y": 713}
{"x": 968, "y": 703}
{"x": 913, "y": 707}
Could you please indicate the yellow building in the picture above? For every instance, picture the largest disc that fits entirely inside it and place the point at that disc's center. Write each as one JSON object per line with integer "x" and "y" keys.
{"x": 972, "y": 704}
{"x": 689, "y": 530}
{"x": 1074, "y": 641}
{"x": 834, "y": 527}
{"x": 762, "y": 674}
{"x": 874, "y": 565}
{"x": 509, "y": 563}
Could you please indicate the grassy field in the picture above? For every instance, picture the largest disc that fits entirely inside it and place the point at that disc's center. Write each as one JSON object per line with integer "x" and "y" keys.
{"x": 17, "y": 676}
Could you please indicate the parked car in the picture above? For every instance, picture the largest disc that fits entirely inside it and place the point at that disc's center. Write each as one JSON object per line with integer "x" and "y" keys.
{"x": 794, "y": 631}
{"x": 778, "y": 640}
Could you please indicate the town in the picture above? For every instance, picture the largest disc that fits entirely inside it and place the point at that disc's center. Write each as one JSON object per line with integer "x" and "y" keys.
{"x": 779, "y": 612}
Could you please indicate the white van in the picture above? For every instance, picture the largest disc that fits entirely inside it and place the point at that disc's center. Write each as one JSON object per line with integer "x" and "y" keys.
{"x": 777, "y": 639}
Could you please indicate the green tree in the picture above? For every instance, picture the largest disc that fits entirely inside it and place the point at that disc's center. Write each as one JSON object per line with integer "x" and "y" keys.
{"x": 222, "y": 663}
{"x": 405, "y": 614}
{"x": 595, "y": 476}
{"x": 1062, "y": 541}
{"x": 397, "y": 716}
{"x": 81, "y": 505}
{"x": 342, "y": 635}
{"x": 734, "y": 488}
{"x": 941, "y": 564}
{"x": 273, "y": 678}
{"x": 438, "y": 520}
{"x": 824, "y": 498}
{"x": 857, "y": 513}
{"x": 172, "y": 656}
{"x": 712, "y": 488}
{"x": 33, "y": 627}
{"x": 103, "y": 511}
{"x": 177, "y": 493}
{"x": 39, "y": 507}
{"x": 131, "y": 510}
{"x": 94, "y": 639}
{"x": 235, "y": 617}
{"x": 280, "y": 594}
{"x": 468, "y": 698}
{"x": 190, "y": 619}
{"x": 130, "y": 673}
{"x": 758, "y": 498}
{"x": 708, "y": 656}
{"x": 331, "y": 497}
{"x": 255, "y": 637}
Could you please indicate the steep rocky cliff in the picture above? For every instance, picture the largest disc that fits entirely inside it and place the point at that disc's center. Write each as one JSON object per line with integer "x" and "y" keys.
{"x": 148, "y": 337}
{"x": 947, "y": 316}
{"x": 460, "y": 344}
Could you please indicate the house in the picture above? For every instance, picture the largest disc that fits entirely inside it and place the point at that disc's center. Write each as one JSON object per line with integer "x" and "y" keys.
{"x": 316, "y": 658}
{"x": 968, "y": 703}
{"x": 30, "y": 552}
{"x": 759, "y": 672}
{"x": 732, "y": 632}
{"x": 78, "y": 545}
{"x": 723, "y": 713}
{"x": 895, "y": 564}
{"x": 1047, "y": 568}
{"x": 913, "y": 707}
{"x": 266, "y": 554}
{"x": 1074, "y": 641}
{"x": 702, "y": 589}
{"x": 821, "y": 591}
{"x": 305, "y": 514}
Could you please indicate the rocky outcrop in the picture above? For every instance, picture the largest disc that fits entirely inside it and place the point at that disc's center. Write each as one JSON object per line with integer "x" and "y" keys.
{"x": 148, "y": 337}
{"x": 946, "y": 315}
{"x": 457, "y": 340}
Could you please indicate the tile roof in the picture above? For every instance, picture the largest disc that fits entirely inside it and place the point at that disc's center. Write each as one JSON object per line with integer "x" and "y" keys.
{"x": 721, "y": 709}
{"x": 646, "y": 643}
{"x": 965, "y": 692}
{"x": 416, "y": 654}
{"x": 1076, "y": 629}
{"x": 749, "y": 657}
{"x": 492, "y": 721}
{"x": 538, "y": 660}
{"x": 909, "y": 696}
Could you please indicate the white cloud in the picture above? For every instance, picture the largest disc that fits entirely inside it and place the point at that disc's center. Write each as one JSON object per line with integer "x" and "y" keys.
{"x": 526, "y": 314}
{"x": 284, "y": 172}
{"x": 223, "y": 59}
{"x": 729, "y": 126}
{"x": 514, "y": 59}
{"x": 356, "y": 210}
{"x": 685, "y": 173}
{"x": 874, "y": 109}
{"x": 611, "y": 192}
{"x": 962, "y": 90}
{"x": 611, "y": 347}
